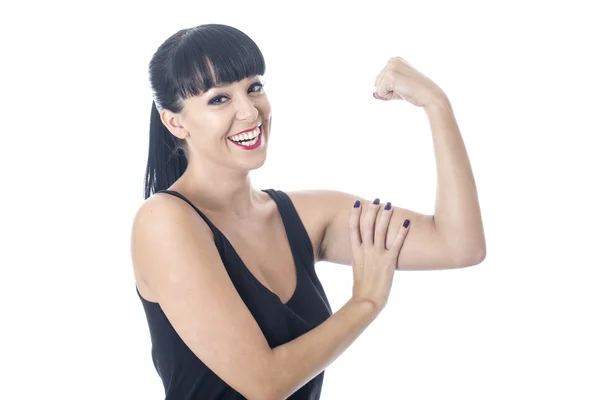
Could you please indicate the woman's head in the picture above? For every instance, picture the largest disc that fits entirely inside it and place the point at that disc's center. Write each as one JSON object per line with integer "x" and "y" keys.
{"x": 206, "y": 84}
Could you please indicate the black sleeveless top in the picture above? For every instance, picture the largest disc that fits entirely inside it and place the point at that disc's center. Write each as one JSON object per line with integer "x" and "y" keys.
{"x": 184, "y": 375}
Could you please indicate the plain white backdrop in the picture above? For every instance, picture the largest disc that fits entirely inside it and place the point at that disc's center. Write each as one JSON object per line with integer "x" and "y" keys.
{"x": 523, "y": 81}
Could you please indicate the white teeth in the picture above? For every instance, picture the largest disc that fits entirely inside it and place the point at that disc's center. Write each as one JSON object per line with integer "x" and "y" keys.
{"x": 247, "y": 135}
{"x": 249, "y": 143}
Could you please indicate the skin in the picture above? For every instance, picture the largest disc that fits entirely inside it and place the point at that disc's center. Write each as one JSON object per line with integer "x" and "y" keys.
{"x": 217, "y": 182}
{"x": 176, "y": 263}
{"x": 217, "y": 173}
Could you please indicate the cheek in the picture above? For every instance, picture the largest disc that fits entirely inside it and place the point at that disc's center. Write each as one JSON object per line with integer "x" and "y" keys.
{"x": 205, "y": 127}
{"x": 265, "y": 112}
{"x": 193, "y": 124}
{"x": 263, "y": 105}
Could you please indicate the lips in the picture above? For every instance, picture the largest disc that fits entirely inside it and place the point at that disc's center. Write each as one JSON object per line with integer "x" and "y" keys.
{"x": 247, "y": 130}
{"x": 256, "y": 142}
{"x": 246, "y": 135}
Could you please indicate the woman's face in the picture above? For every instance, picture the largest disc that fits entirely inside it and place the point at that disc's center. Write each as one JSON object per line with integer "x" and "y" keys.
{"x": 214, "y": 119}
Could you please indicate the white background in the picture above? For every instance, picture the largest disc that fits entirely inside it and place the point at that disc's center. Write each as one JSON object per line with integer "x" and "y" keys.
{"x": 523, "y": 80}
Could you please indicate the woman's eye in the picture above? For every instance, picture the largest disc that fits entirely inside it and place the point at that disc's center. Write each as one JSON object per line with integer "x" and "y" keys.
{"x": 256, "y": 88}
{"x": 214, "y": 100}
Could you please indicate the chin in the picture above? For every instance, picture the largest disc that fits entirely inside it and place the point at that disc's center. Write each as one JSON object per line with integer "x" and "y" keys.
{"x": 257, "y": 164}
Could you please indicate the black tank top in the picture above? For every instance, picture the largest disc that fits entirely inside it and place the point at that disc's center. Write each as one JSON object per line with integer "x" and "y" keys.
{"x": 184, "y": 375}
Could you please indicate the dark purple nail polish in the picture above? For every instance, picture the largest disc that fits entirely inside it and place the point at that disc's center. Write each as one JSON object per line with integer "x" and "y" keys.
{"x": 406, "y": 223}
{"x": 376, "y": 201}
{"x": 388, "y": 206}
{"x": 356, "y": 203}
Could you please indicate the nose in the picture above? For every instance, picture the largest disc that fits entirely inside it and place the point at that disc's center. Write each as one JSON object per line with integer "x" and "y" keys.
{"x": 246, "y": 109}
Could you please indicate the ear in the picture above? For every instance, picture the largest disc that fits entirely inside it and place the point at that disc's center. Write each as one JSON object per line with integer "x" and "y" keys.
{"x": 173, "y": 123}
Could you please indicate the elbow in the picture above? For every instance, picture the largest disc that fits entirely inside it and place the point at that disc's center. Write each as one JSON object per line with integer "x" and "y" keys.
{"x": 478, "y": 255}
{"x": 465, "y": 251}
{"x": 480, "y": 250}
{"x": 269, "y": 385}
{"x": 270, "y": 391}
{"x": 471, "y": 258}
{"x": 473, "y": 252}
{"x": 280, "y": 380}
{"x": 481, "y": 255}
{"x": 264, "y": 391}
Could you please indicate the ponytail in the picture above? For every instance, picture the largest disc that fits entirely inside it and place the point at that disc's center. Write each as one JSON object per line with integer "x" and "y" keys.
{"x": 166, "y": 157}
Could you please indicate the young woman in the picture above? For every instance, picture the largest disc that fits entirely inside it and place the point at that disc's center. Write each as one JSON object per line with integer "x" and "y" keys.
{"x": 225, "y": 272}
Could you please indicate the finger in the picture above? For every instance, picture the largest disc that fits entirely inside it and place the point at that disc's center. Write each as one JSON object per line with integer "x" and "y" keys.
{"x": 353, "y": 225}
{"x": 380, "y": 82}
{"x": 378, "y": 97}
{"x": 400, "y": 237}
{"x": 383, "y": 224}
{"x": 383, "y": 88}
{"x": 367, "y": 226}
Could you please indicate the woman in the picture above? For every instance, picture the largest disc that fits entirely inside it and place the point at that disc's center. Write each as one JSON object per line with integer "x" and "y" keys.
{"x": 226, "y": 273}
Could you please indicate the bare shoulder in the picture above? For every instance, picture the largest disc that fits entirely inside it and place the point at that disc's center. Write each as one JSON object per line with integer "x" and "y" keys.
{"x": 157, "y": 216}
{"x": 177, "y": 262}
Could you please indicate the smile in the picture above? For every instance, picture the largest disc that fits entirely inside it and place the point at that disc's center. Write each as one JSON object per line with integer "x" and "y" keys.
{"x": 248, "y": 140}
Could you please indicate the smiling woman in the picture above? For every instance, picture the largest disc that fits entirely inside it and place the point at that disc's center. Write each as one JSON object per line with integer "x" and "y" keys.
{"x": 226, "y": 272}
{"x": 193, "y": 62}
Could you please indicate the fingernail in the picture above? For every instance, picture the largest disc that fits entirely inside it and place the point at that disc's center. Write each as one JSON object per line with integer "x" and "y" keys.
{"x": 406, "y": 223}
{"x": 374, "y": 95}
{"x": 356, "y": 203}
{"x": 388, "y": 206}
{"x": 376, "y": 201}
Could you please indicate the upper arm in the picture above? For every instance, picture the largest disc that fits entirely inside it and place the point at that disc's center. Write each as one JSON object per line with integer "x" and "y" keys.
{"x": 424, "y": 248}
{"x": 173, "y": 251}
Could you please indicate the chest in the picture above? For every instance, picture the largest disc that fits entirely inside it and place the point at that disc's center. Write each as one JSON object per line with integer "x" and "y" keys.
{"x": 266, "y": 253}
{"x": 265, "y": 249}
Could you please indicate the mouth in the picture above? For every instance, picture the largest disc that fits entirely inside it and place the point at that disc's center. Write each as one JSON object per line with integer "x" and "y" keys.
{"x": 248, "y": 140}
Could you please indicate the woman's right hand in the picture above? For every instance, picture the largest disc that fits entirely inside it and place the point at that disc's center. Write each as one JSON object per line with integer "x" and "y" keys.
{"x": 373, "y": 264}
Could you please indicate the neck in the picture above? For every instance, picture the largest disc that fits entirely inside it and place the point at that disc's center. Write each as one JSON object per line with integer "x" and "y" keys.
{"x": 219, "y": 190}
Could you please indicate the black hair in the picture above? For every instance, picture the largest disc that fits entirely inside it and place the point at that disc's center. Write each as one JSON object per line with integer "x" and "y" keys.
{"x": 187, "y": 64}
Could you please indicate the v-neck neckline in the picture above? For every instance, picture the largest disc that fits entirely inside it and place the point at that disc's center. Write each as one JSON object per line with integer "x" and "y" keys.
{"x": 290, "y": 245}
{"x": 272, "y": 194}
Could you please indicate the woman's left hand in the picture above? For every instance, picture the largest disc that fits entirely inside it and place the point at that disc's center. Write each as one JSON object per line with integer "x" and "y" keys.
{"x": 400, "y": 81}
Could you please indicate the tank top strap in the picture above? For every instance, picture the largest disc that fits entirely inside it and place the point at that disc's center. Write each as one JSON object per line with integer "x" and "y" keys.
{"x": 213, "y": 228}
{"x": 295, "y": 229}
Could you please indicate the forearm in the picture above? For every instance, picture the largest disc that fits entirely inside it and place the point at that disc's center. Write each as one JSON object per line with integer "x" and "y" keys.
{"x": 457, "y": 212}
{"x": 297, "y": 362}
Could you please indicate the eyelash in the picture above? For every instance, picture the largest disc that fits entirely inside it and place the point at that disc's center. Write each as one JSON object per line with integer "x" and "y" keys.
{"x": 258, "y": 84}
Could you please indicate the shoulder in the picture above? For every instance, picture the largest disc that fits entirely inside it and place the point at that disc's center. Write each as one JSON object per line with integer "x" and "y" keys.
{"x": 164, "y": 211}
{"x": 181, "y": 269}
{"x": 159, "y": 222}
